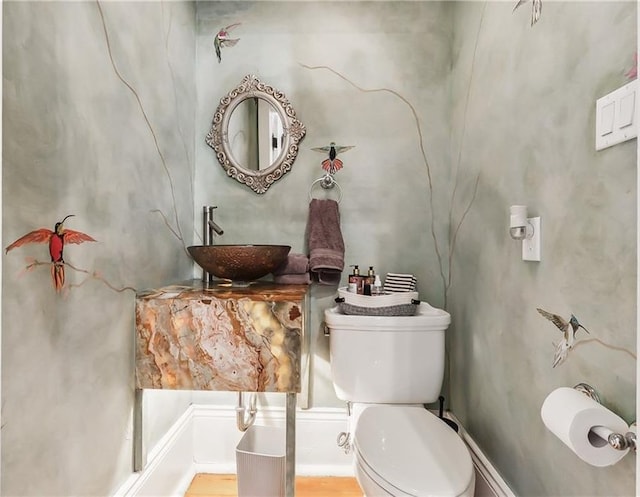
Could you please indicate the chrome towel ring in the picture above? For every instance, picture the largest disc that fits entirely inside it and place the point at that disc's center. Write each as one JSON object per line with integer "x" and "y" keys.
{"x": 327, "y": 182}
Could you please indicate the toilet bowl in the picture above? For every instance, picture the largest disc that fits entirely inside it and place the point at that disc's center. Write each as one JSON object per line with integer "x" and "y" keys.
{"x": 410, "y": 452}
{"x": 386, "y": 368}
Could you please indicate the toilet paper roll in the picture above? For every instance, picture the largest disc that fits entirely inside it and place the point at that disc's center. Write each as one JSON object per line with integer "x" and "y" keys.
{"x": 570, "y": 415}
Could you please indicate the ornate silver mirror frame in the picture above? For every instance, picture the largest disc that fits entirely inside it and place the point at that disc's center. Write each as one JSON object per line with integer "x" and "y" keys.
{"x": 219, "y": 140}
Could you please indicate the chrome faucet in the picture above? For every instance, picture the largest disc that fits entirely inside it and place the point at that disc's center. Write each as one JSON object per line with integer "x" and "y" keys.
{"x": 215, "y": 227}
{"x": 209, "y": 227}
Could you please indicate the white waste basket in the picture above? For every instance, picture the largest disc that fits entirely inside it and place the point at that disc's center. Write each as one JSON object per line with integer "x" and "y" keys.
{"x": 260, "y": 462}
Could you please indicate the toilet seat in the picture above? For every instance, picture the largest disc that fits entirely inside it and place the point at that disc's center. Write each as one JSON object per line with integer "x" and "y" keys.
{"x": 372, "y": 484}
{"x": 409, "y": 451}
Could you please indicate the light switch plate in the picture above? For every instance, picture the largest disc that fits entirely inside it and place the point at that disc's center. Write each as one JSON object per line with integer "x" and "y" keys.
{"x": 607, "y": 116}
{"x": 617, "y": 116}
{"x": 531, "y": 246}
{"x": 627, "y": 110}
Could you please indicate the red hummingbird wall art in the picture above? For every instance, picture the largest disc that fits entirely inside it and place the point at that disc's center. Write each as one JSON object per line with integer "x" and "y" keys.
{"x": 57, "y": 240}
{"x": 332, "y": 165}
{"x": 222, "y": 40}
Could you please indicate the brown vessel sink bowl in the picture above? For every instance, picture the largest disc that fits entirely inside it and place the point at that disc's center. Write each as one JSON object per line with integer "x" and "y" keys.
{"x": 239, "y": 262}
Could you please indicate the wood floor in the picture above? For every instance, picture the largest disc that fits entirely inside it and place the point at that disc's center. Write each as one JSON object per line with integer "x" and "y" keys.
{"x": 206, "y": 485}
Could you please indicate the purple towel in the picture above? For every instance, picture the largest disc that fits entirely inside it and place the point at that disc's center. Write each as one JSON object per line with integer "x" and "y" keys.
{"x": 294, "y": 264}
{"x": 326, "y": 246}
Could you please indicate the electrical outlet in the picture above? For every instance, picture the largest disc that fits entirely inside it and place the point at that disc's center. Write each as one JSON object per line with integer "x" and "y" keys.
{"x": 531, "y": 246}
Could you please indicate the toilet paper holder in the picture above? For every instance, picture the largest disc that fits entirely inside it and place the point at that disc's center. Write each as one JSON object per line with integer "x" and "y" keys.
{"x": 618, "y": 441}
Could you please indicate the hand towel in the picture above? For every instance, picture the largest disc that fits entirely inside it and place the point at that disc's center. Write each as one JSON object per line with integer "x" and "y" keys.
{"x": 294, "y": 264}
{"x": 326, "y": 246}
{"x": 395, "y": 282}
{"x": 293, "y": 279}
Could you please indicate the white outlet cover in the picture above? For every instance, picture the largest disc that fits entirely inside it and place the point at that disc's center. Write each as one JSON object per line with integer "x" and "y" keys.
{"x": 531, "y": 246}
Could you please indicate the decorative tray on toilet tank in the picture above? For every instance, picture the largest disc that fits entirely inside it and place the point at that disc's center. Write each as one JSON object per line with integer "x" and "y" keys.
{"x": 389, "y": 304}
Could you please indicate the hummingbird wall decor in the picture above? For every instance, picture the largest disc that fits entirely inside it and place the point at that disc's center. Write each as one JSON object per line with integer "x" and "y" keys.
{"x": 222, "y": 40}
{"x": 332, "y": 164}
{"x": 568, "y": 329}
{"x": 57, "y": 240}
{"x": 536, "y": 9}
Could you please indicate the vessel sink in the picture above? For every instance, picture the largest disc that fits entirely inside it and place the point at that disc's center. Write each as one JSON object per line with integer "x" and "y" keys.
{"x": 241, "y": 263}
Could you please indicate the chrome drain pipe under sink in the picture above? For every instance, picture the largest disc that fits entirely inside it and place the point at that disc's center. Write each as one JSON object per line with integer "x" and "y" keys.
{"x": 244, "y": 418}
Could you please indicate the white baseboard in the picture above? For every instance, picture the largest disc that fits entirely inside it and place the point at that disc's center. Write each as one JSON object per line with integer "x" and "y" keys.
{"x": 317, "y": 453}
{"x": 492, "y": 479}
{"x": 203, "y": 440}
{"x": 170, "y": 468}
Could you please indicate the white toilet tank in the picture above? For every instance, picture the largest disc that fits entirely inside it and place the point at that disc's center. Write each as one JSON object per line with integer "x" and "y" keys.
{"x": 388, "y": 360}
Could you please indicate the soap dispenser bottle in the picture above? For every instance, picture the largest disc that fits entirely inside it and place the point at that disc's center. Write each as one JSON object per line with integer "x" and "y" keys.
{"x": 369, "y": 281}
{"x": 355, "y": 280}
{"x": 371, "y": 276}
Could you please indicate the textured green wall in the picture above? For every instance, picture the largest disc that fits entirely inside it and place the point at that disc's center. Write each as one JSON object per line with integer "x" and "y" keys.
{"x": 509, "y": 102}
{"x": 386, "y": 218}
{"x": 512, "y": 105}
{"x": 76, "y": 141}
{"x": 524, "y": 120}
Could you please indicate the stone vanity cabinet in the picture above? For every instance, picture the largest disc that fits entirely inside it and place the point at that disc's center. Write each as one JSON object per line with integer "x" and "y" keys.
{"x": 215, "y": 337}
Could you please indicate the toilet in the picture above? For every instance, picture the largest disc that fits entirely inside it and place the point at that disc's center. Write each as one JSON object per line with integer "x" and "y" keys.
{"x": 386, "y": 368}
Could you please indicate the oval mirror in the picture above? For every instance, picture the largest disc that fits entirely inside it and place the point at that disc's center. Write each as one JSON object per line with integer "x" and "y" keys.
{"x": 255, "y": 134}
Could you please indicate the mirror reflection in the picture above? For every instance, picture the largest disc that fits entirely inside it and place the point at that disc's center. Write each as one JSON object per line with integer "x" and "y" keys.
{"x": 255, "y": 134}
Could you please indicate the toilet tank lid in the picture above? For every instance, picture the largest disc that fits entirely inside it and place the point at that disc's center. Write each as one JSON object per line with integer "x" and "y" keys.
{"x": 426, "y": 318}
{"x": 412, "y": 449}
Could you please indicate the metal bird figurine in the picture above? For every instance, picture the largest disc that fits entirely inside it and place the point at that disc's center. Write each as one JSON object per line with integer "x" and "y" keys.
{"x": 56, "y": 239}
{"x": 222, "y": 40}
{"x": 536, "y": 9}
{"x": 568, "y": 335}
{"x": 332, "y": 164}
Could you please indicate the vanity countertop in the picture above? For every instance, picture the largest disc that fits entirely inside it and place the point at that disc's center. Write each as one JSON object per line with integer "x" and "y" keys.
{"x": 199, "y": 336}
{"x": 196, "y": 289}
